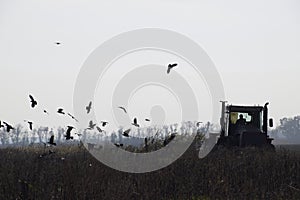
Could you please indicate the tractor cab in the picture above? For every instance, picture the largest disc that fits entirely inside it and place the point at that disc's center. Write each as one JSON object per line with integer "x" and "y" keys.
{"x": 243, "y": 118}
{"x": 245, "y": 126}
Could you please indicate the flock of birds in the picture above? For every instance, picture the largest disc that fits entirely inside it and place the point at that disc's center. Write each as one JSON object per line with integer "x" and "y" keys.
{"x": 91, "y": 125}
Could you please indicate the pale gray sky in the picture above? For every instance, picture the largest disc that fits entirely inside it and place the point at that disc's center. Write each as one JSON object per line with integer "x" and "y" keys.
{"x": 255, "y": 46}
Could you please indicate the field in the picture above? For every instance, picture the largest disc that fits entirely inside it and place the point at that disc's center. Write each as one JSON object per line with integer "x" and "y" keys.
{"x": 72, "y": 173}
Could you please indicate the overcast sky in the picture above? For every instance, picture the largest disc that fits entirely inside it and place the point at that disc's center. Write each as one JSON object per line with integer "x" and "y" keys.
{"x": 255, "y": 46}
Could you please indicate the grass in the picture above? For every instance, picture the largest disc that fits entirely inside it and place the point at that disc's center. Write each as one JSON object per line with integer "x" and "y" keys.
{"x": 72, "y": 173}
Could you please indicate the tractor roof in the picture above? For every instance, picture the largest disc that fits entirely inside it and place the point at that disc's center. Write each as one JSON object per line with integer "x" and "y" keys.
{"x": 234, "y": 108}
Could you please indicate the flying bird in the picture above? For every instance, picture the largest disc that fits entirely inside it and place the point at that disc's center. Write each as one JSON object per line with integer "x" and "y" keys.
{"x": 170, "y": 66}
{"x": 88, "y": 108}
{"x": 72, "y": 117}
{"x": 61, "y": 111}
{"x": 135, "y": 123}
{"x": 147, "y": 120}
{"x": 57, "y": 43}
{"x": 8, "y": 127}
{"x": 122, "y": 108}
{"x": 46, "y": 112}
{"x": 91, "y": 125}
{"x": 104, "y": 123}
{"x": 33, "y": 101}
{"x": 51, "y": 141}
{"x": 68, "y": 133}
{"x": 126, "y": 133}
{"x": 30, "y": 124}
{"x": 99, "y": 129}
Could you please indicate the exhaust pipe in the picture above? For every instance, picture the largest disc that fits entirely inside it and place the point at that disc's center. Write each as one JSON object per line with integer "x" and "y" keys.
{"x": 265, "y": 118}
{"x": 222, "y": 119}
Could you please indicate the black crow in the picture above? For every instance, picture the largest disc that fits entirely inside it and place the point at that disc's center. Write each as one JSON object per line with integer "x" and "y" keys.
{"x": 61, "y": 111}
{"x": 33, "y": 102}
{"x": 91, "y": 125}
{"x": 8, "y": 127}
{"x": 68, "y": 133}
{"x": 135, "y": 122}
{"x": 88, "y": 108}
{"x": 104, "y": 123}
{"x": 30, "y": 124}
{"x": 99, "y": 129}
{"x": 45, "y": 111}
{"x": 51, "y": 140}
{"x": 170, "y": 66}
{"x": 126, "y": 133}
{"x": 72, "y": 117}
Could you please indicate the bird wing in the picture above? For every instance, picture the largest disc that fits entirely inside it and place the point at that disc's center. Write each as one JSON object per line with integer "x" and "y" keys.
{"x": 99, "y": 129}
{"x": 88, "y": 108}
{"x": 104, "y": 123}
{"x": 68, "y": 133}
{"x": 31, "y": 98}
{"x": 9, "y": 127}
{"x": 169, "y": 69}
{"x": 123, "y": 109}
{"x": 92, "y": 125}
{"x": 127, "y": 131}
{"x": 61, "y": 111}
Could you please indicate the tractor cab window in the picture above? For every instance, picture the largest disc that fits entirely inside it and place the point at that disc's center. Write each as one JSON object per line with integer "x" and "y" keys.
{"x": 235, "y": 117}
{"x": 244, "y": 121}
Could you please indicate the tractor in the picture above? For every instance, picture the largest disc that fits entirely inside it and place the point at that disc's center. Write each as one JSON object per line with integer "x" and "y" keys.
{"x": 244, "y": 126}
